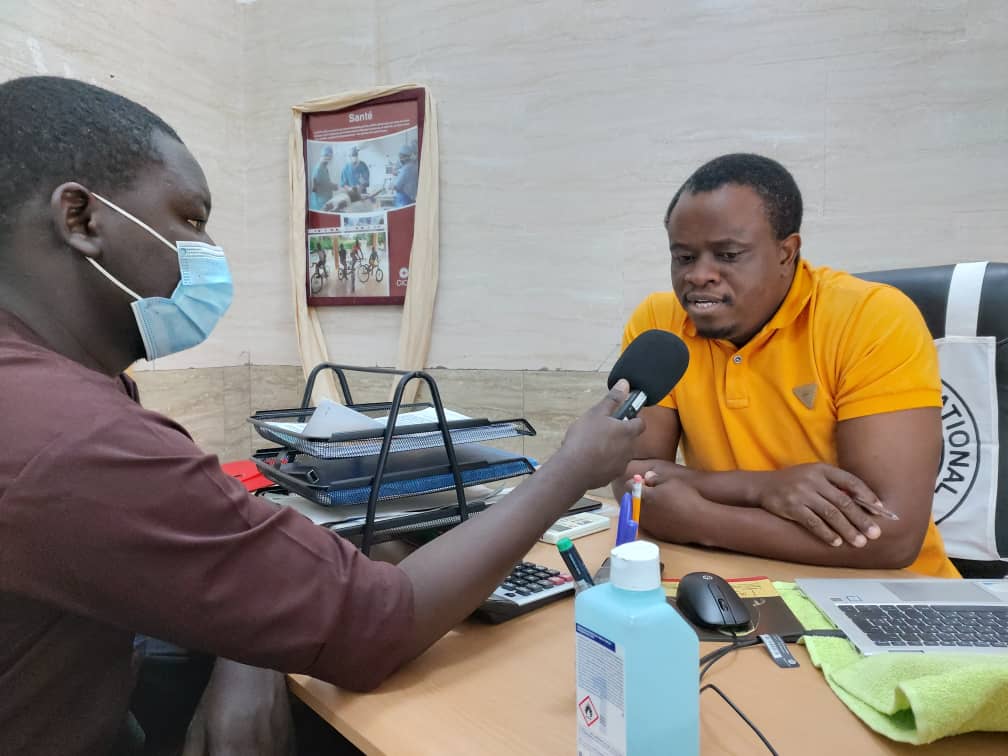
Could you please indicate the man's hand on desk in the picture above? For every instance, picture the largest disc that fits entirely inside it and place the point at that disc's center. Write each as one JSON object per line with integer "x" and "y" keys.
{"x": 670, "y": 508}
{"x": 821, "y": 498}
{"x": 244, "y": 711}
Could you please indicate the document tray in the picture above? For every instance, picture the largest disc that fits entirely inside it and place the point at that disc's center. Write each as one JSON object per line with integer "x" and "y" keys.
{"x": 409, "y": 473}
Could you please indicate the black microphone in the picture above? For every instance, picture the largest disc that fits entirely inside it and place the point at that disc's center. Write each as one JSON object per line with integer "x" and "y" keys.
{"x": 652, "y": 364}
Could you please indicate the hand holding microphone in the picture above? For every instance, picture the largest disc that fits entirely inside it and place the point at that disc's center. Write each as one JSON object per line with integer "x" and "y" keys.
{"x": 649, "y": 368}
{"x": 597, "y": 448}
{"x": 652, "y": 364}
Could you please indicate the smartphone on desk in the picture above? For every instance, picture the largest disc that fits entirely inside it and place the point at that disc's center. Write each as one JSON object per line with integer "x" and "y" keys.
{"x": 584, "y": 504}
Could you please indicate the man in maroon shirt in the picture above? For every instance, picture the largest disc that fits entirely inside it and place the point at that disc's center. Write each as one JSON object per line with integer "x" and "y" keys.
{"x": 112, "y": 522}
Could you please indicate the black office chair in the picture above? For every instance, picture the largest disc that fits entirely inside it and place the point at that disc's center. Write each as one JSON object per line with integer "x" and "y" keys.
{"x": 929, "y": 289}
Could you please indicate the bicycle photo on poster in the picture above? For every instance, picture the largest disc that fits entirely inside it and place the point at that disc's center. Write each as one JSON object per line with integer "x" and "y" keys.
{"x": 353, "y": 264}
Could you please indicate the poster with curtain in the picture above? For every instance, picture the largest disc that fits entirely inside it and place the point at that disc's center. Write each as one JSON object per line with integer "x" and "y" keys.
{"x": 362, "y": 172}
{"x": 412, "y": 254}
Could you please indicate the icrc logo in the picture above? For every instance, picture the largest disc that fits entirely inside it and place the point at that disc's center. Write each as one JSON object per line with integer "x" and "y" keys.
{"x": 960, "y": 454}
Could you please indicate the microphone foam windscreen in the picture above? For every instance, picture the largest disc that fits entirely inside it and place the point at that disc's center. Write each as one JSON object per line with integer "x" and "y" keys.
{"x": 653, "y": 363}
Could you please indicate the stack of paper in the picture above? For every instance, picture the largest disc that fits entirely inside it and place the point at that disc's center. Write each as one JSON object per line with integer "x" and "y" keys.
{"x": 332, "y": 417}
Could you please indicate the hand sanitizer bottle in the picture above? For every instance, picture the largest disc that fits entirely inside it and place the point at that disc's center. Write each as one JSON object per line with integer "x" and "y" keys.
{"x": 637, "y": 663}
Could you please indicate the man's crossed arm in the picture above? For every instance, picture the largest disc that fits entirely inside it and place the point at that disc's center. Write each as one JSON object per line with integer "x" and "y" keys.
{"x": 812, "y": 513}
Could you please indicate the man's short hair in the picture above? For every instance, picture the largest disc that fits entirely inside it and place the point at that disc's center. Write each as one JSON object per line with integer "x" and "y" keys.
{"x": 768, "y": 178}
{"x": 54, "y": 130}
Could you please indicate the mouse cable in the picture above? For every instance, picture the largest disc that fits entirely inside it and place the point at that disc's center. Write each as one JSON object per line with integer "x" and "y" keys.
{"x": 707, "y": 661}
{"x": 754, "y": 728}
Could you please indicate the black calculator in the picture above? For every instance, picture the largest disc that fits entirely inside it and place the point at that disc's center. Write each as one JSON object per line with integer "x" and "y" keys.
{"x": 528, "y": 587}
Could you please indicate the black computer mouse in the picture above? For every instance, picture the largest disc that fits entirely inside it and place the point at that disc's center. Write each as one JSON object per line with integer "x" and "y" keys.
{"x": 709, "y": 601}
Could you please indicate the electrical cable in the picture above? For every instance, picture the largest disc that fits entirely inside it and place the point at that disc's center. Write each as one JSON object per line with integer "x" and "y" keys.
{"x": 707, "y": 661}
{"x": 716, "y": 689}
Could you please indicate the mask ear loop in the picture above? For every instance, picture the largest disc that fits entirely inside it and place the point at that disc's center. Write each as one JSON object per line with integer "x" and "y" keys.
{"x": 136, "y": 220}
{"x": 113, "y": 279}
{"x": 140, "y": 223}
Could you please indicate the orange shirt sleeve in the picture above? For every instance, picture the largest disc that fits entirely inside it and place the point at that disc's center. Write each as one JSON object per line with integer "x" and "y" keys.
{"x": 887, "y": 359}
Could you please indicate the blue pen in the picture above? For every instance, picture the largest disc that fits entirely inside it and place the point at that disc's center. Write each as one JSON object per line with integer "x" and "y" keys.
{"x": 622, "y": 534}
{"x": 632, "y": 527}
{"x": 621, "y": 520}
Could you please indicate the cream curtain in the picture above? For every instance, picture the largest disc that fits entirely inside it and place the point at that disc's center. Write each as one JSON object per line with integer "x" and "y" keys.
{"x": 418, "y": 309}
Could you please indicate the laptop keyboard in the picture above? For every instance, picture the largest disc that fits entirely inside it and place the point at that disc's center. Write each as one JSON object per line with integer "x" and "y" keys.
{"x": 930, "y": 625}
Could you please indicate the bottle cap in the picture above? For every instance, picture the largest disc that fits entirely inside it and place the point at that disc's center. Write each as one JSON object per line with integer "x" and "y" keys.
{"x": 635, "y": 566}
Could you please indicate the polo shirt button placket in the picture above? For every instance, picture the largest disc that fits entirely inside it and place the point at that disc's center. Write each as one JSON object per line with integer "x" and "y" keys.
{"x": 736, "y": 395}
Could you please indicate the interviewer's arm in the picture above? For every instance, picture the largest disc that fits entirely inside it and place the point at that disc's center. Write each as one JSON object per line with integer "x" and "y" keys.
{"x": 452, "y": 575}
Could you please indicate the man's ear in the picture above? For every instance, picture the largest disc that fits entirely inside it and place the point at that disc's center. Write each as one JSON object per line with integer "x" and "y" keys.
{"x": 73, "y": 208}
{"x": 789, "y": 249}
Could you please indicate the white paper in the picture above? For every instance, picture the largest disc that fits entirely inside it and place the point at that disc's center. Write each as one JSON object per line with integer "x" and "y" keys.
{"x": 420, "y": 417}
{"x": 332, "y": 417}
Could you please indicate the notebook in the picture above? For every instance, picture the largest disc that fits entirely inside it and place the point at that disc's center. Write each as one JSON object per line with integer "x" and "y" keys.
{"x": 910, "y": 615}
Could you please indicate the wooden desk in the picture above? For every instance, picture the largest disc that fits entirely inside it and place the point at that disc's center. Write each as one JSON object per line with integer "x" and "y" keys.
{"x": 509, "y": 688}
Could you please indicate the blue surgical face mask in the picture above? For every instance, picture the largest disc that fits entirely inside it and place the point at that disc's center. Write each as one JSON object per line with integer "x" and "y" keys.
{"x": 199, "y": 301}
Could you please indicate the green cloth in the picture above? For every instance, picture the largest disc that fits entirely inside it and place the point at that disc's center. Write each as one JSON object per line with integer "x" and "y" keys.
{"x": 911, "y": 698}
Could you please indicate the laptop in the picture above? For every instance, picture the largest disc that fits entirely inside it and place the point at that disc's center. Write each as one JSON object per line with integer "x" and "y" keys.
{"x": 883, "y": 616}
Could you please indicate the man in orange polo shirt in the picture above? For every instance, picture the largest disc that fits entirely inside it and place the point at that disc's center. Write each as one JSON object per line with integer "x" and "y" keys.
{"x": 812, "y": 401}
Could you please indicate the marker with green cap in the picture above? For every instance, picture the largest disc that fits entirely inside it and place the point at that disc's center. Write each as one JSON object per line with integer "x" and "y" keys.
{"x": 578, "y": 571}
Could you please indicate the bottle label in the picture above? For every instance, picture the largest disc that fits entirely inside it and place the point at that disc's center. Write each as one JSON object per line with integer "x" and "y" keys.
{"x": 601, "y": 703}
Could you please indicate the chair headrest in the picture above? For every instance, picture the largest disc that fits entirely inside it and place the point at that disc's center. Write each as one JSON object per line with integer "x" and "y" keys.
{"x": 929, "y": 287}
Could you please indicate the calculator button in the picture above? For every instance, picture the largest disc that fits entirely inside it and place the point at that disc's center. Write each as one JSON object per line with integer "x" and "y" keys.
{"x": 522, "y": 591}
{"x": 557, "y": 580}
{"x": 510, "y": 594}
{"x": 545, "y": 584}
{"x": 567, "y": 578}
{"x": 536, "y": 588}
{"x": 553, "y": 573}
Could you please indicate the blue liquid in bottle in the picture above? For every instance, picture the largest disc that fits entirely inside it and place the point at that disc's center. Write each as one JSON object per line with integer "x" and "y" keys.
{"x": 637, "y": 664}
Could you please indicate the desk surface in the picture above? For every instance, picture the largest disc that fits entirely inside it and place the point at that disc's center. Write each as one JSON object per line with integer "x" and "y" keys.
{"x": 508, "y": 689}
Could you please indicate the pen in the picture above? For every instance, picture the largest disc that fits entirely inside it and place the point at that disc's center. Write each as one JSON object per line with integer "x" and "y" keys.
{"x": 622, "y": 531}
{"x": 572, "y": 559}
{"x": 638, "y": 482}
{"x": 879, "y": 509}
{"x": 632, "y": 536}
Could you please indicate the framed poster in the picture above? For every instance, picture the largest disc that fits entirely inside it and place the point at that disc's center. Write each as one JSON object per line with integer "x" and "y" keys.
{"x": 362, "y": 169}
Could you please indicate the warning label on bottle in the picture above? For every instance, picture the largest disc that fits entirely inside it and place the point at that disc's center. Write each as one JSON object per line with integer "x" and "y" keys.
{"x": 600, "y": 695}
